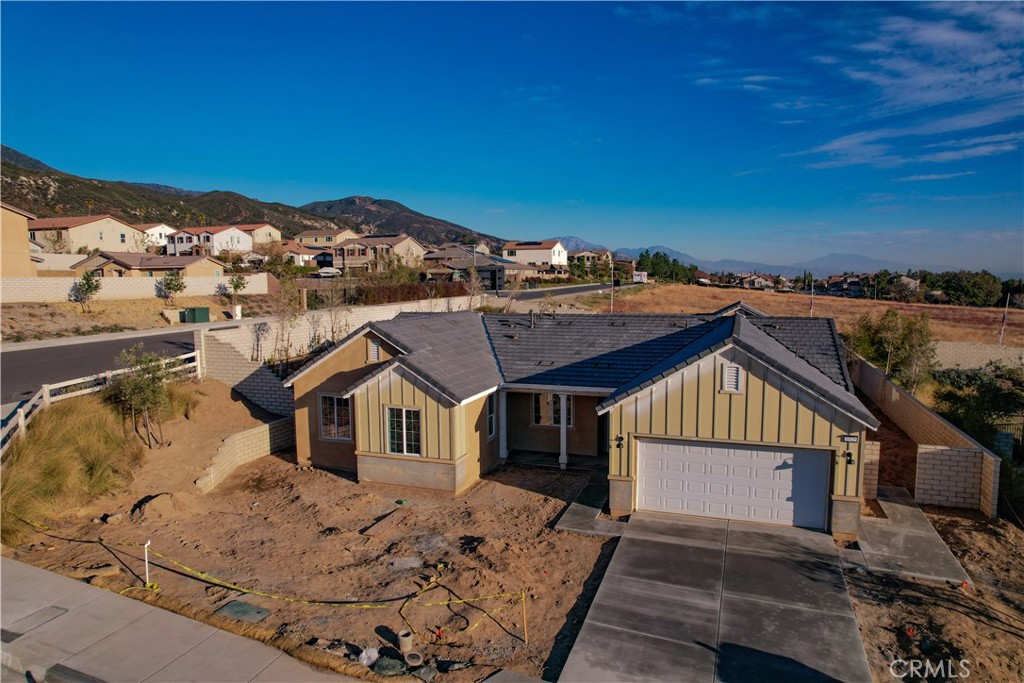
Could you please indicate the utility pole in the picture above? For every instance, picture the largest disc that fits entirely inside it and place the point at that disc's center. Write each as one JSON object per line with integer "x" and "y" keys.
{"x": 613, "y": 286}
{"x": 1006, "y": 310}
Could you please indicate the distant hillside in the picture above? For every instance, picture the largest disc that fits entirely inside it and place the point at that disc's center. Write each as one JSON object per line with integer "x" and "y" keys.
{"x": 387, "y": 216}
{"x": 166, "y": 189}
{"x": 25, "y": 161}
{"x": 851, "y": 263}
{"x": 573, "y": 243}
{"x": 46, "y": 192}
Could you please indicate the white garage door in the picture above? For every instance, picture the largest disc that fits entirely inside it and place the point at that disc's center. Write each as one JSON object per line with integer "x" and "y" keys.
{"x": 751, "y": 483}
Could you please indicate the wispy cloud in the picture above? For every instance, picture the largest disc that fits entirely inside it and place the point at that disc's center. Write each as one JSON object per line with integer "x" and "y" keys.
{"x": 648, "y": 14}
{"x": 739, "y": 174}
{"x": 933, "y": 176}
{"x": 969, "y": 152}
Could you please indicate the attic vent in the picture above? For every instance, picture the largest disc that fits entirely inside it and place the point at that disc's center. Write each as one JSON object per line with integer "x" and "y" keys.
{"x": 732, "y": 379}
{"x": 374, "y": 351}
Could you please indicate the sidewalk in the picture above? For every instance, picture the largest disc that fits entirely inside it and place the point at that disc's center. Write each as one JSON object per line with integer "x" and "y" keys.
{"x": 59, "y": 629}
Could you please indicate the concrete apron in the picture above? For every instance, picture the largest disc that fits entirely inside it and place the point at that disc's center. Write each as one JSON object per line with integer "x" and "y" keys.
{"x": 692, "y": 599}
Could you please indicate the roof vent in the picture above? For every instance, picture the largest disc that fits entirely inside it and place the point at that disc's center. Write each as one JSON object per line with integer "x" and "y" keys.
{"x": 617, "y": 323}
{"x": 512, "y": 335}
{"x": 546, "y": 363}
{"x": 533, "y": 319}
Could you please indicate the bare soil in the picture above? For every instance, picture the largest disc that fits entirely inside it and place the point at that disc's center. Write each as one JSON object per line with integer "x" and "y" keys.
{"x": 948, "y": 323}
{"x": 293, "y": 532}
{"x": 29, "y": 322}
{"x": 904, "y": 619}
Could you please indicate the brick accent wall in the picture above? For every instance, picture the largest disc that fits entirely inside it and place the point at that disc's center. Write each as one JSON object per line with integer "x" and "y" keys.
{"x": 952, "y": 468}
{"x": 950, "y": 477}
{"x": 968, "y": 355}
{"x": 869, "y": 474}
{"x": 244, "y": 447}
{"x": 253, "y": 380}
{"x": 51, "y": 289}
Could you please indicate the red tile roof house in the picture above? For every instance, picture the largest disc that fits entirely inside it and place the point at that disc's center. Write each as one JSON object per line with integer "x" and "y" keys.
{"x": 728, "y": 416}
{"x": 212, "y": 240}
{"x": 546, "y": 254}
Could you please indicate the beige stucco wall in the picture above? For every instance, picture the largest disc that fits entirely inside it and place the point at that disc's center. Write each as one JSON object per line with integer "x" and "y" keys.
{"x": 581, "y": 437}
{"x": 265, "y": 234}
{"x": 321, "y": 241}
{"x": 103, "y": 234}
{"x": 333, "y": 376}
{"x": 772, "y": 410}
{"x": 410, "y": 252}
{"x": 14, "y": 248}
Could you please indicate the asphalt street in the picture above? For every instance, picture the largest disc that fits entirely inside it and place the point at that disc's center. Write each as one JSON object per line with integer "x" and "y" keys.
{"x": 531, "y": 294}
{"x": 23, "y": 372}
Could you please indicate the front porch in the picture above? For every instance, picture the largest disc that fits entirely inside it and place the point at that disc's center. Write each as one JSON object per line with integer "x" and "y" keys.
{"x": 553, "y": 428}
{"x": 586, "y": 463}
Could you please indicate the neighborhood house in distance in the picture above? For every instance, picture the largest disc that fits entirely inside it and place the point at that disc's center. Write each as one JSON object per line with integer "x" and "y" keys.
{"x": 437, "y": 400}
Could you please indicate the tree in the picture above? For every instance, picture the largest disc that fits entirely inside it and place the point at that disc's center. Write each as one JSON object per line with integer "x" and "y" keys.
{"x": 237, "y": 283}
{"x": 975, "y": 400}
{"x": 84, "y": 290}
{"x": 902, "y": 344}
{"x": 142, "y": 391}
{"x": 171, "y": 284}
{"x": 643, "y": 262}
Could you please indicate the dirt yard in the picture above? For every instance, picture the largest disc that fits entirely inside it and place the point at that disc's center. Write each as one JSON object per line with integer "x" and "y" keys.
{"x": 948, "y": 323}
{"x": 29, "y": 322}
{"x": 286, "y": 531}
{"x": 903, "y": 619}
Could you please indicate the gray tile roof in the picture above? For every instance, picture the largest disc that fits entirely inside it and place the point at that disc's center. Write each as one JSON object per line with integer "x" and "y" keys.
{"x": 587, "y": 350}
{"x": 448, "y": 350}
{"x": 815, "y": 340}
{"x": 743, "y": 333}
{"x": 739, "y": 307}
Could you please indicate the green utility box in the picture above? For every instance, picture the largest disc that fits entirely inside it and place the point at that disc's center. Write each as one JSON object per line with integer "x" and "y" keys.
{"x": 197, "y": 315}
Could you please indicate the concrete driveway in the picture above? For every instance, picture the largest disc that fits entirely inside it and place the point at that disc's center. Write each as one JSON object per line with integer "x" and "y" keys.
{"x": 706, "y": 600}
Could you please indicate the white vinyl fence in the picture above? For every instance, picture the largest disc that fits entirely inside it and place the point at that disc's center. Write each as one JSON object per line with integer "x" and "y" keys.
{"x": 185, "y": 364}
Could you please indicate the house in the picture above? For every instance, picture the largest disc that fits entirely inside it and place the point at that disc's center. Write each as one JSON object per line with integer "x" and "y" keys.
{"x": 157, "y": 233}
{"x": 741, "y": 417}
{"x": 15, "y": 246}
{"x": 458, "y": 262}
{"x": 71, "y": 234}
{"x": 124, "y": 264}
{"x": 212, "y": 240}
{"x": 324, "y": 238}
{"x": 298, "y": 253}
{"x": 591, "y": 259}
{"x": 261, "y": 233}
{"x": 545, "y": 254}
{"x": 57, "y": 265}
{"x": 373, "y": 253}
{"x": 755, "y": 281}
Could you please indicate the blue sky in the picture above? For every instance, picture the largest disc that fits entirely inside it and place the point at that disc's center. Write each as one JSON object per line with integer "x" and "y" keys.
{"x": 770, "y": 132}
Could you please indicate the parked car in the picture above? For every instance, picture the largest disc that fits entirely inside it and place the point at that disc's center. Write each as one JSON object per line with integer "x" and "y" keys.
{"x": 328, "y": 272}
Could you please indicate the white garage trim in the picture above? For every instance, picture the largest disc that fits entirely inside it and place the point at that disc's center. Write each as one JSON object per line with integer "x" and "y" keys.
{"x": 763, "y": 483}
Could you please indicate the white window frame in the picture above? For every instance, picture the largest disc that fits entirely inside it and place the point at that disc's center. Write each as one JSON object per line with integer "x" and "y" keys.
{"x": 405, "y": 438}
{"x": 320, "y": 416}
{"x": 536, "y": 396}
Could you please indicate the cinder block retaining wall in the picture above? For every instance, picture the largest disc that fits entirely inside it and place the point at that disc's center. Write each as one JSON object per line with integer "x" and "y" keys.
{"x": 869, "y": 476}
{"x": 244, "y": 447}
{"x": 53, "y": 289}
{"x": 973, "y": 355}
{"x": 953, "y": 469}
{"x": 253, "y": 380}
{"x": 282, "y": 339}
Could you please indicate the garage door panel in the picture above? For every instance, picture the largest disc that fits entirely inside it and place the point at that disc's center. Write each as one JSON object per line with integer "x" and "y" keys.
{"x": 779, "y": 486}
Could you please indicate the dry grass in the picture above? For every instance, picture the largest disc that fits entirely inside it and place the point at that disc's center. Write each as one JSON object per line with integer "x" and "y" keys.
{"x": 948, "y": 323}
{"x": 73, "y": 452}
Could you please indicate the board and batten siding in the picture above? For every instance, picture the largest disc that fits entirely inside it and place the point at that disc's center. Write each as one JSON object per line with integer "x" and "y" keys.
{"x": 771, "y": 410}
{"x": 442, "y": 425}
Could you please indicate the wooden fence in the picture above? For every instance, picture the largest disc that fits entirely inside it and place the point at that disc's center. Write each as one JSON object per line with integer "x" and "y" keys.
{"x": 185, "y": 364}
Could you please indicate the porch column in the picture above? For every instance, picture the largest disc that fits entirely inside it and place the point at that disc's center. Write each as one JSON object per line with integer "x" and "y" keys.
{"x": 563, "y": 434}
{"x": 502, "y": 425}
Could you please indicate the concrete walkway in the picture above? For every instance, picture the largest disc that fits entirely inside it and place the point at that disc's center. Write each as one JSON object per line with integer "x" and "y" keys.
{"x": 59, "y": 629}
{"x": 707, "y": 600}
{"x": 906, "y": 543}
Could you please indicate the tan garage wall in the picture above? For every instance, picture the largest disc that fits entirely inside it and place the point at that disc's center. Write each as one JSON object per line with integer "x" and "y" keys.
{"x": 772, "y": 410}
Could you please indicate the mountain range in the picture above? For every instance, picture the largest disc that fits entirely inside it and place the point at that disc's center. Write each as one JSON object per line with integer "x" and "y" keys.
{"x": 41, "y": 189}
{"x": 45, "y": 191}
